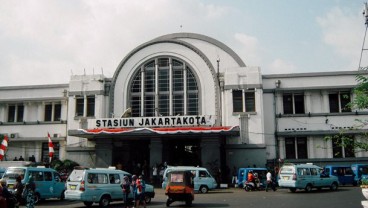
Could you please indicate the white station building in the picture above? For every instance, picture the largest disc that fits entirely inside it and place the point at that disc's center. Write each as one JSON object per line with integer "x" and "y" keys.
{"x": 185, "y": 99}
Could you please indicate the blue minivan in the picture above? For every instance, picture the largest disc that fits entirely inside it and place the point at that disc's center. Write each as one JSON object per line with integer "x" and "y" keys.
{"x": 47, "y": 180}
{"x": 360, "y": 171}
{"x": 344, "y": 173}
{"x": 243, "y": 175}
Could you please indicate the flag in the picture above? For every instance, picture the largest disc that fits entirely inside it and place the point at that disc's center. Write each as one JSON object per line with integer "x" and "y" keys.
{"x": 51, "y": 147}
{"x": 4, "y": 145}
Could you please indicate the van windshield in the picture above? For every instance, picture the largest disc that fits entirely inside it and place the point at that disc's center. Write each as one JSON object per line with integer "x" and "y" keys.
{"x": 13, "y": 173}
{"x": 287, "y": 170}
{"x": 76, "y": 176}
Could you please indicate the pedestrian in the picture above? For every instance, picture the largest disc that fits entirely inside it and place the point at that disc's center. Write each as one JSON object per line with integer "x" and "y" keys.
{"x": 126, "y": 190}
{"x": 154, "y": 174}
{"x": 270, "y": 181}
{"x": 15, "y": 159}
{"x": 2, "y": 198}
{"x": 142, "y": 191}
{"x": 135, "y": 191}
{"x": 234, "y": 179}
{"x": 30, "y": 189}
{"x": 21, "y": 158}
{"x": 18, "y": 187}
{"x": 7, "y": 195}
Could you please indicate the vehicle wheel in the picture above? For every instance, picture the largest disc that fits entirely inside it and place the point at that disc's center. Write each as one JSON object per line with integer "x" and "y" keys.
{"x": 355, "y": 183}
{"x": 147, "y": 199}
{"x": 62, "y": 196}
{"x": 188, "y": 202}
{"x": 334, "y": 187}
{"x": 247, "y": 188}
{"x": 104, "y": 201}
{"x": 292, "y": 190}
{"x": 308, "y": 188}
{"x": 88, "y": 204}
{"x": 168, "y": 202}
{"x": 203, "y": 189}
{"x": 37, "y": 198}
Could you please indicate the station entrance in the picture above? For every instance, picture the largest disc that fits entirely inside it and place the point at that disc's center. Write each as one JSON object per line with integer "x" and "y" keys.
{"x": 182, "y": 152}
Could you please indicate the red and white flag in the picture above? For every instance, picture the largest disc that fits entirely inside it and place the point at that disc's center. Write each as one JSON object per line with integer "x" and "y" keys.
{"x": 51, "y": 147}
{"x": 4, "y": 145}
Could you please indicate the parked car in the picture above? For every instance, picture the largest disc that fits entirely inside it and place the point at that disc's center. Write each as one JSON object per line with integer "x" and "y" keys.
{"x": 99, "y": 185}
{"x": 305, "y": 176}
{"x": 47, "y": 180}
{"x": 2, "y": 171}
{"x": 360, "y": 171}
{"x": 203, "y": 180}
{"x": 344, "y": 173}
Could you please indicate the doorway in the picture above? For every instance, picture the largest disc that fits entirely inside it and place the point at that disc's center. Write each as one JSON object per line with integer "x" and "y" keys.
{"x": 182, "y": 152}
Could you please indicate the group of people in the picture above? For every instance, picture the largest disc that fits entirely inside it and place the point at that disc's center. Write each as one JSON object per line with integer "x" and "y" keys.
{"x": 22, "y": 194}
{"x": 253, "y": 178}
{"x": 137, "y": 186}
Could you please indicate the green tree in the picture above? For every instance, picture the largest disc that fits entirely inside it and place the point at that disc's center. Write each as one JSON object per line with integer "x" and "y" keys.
{"x": 360, "y": 102}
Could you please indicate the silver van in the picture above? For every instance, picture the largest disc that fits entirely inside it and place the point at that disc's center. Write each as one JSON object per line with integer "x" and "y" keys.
{"x": 203, "y": 180}
{"x": 305, "y": 176}
{"x": 99, "y": 185}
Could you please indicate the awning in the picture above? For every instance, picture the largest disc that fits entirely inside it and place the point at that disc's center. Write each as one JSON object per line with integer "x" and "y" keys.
{"x": 99, "y": 132}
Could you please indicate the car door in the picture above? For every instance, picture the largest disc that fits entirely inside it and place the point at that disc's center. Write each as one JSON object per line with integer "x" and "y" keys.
{"x": 41, "y": 185}
{"x": 116, "y": 191}
{"x": 59, "y": 185}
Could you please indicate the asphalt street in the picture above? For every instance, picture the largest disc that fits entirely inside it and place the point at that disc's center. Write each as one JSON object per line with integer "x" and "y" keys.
{"x": 344, "y": 197}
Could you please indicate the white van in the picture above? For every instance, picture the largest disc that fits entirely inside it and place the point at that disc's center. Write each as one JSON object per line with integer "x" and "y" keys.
{"x": 305, "y": 176}
{"x": 203, "y": 180}
{"x": 99, "y": 185}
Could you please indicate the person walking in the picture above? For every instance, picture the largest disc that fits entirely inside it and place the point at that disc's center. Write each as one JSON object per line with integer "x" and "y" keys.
{"x": 126, "y": 190}
{"x": 142, "y": 196}
{"x": 270, "y": 181}
{"x": 234, "y": 179}
{"x": 30, "y": 189}
{"x": 18, "y": 187}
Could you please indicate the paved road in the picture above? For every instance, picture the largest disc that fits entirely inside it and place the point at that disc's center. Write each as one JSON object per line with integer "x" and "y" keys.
{"x": 345, "y": 197}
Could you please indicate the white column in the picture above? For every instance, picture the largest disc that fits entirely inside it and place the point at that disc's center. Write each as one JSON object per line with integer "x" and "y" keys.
{"x": 310, "y": 146}
{"x": 282, "y": 147}
{"x": 308, "y": 103}
{"x": 170, "y": 87}
{"x": 142, "y": 90}
{"x": 156, "y": 88}
{"x": 325, "y": 102}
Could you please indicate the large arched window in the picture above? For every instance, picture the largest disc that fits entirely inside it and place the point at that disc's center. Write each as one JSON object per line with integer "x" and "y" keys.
{"x": 164, "y": 87}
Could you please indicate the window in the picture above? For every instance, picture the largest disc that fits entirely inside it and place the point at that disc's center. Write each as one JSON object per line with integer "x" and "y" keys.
{"x": 296, "y": 148}
{"x": 48, "y": 176}
{"x": 343, "y": 147}
{"x": 293, "y": 103}
{"x": 338, "y": 102}
{"x": 175, "y": 92}
{"x": 114, "y": 178}
{"x": 15, "y": 113}
{"x": 244, "y": 100}
{"x": 80, "y": 102}
{"x": 52, "y": 112}
{"x": 36, "y": 175}
{"x": 97, "y": 178}
{"x": 45, "y": 151}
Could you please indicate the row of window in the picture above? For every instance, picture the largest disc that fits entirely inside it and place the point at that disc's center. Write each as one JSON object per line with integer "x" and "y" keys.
{"x": 297, "y": 148}
{"x": 52, "y": 112}
{"x": 293, "y": 103}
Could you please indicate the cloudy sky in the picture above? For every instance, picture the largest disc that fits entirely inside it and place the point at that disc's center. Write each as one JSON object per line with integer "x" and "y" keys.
{"x": 46, "y": 41}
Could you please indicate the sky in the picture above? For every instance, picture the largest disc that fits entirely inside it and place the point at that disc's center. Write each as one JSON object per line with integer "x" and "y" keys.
{"x": 47, "y": 41}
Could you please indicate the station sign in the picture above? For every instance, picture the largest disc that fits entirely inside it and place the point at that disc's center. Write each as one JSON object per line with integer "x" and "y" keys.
{"x": 162, "y": 121}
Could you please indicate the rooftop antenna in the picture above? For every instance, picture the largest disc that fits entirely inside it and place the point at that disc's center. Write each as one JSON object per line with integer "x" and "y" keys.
{"x": 365, "y": 14}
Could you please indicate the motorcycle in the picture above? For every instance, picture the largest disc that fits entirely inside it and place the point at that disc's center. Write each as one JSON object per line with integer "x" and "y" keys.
{"x": 251, "y": 186}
